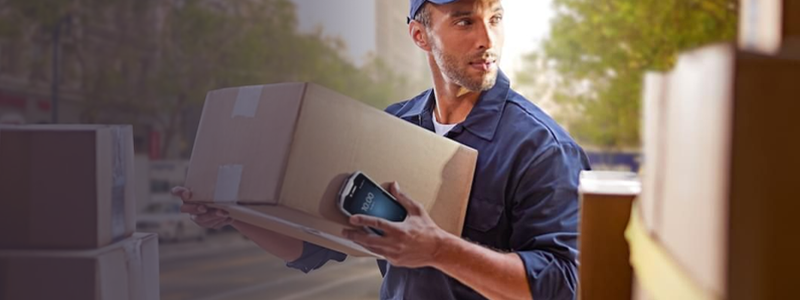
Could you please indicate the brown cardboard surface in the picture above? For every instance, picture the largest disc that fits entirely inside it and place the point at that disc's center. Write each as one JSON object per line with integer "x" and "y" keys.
{"x": 763, "y": 258}
{"x": 770, "y": 26}
{"x": 355, "y": 137}
{"x": 605, "y": 271}
{"x": 726, "y": 206}
{"x": 261, "y": 143}
{"x": 65, "y": 186}
{"x": 693, "y": 202}
{"x": 126, "y": 270}
{"x": 296, "y": 146}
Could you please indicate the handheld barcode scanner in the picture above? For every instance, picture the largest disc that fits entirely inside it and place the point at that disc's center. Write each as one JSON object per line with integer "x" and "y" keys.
{"x": 361, "y": 195}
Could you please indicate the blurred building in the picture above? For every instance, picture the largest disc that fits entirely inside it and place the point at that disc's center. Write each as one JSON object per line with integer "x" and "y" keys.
{"x": 371, "y": 28}
{"x": 82, "y": 42}
{"x": 88, "y": 47}
{"x": 393, "y": 44}
{"x": 26, "y": 75}
{"x": 123, "y": 43}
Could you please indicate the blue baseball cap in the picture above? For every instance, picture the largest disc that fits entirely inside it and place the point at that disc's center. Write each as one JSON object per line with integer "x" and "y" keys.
{"x": 416, "y": 4}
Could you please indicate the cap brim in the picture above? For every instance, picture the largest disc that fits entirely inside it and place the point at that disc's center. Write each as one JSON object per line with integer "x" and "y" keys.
{"x": 415, "y": 9}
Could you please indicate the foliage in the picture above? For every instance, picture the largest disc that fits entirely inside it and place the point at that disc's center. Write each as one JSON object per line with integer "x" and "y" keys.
{"x": 601, "y": 49}
{"x": 151, "y": 62}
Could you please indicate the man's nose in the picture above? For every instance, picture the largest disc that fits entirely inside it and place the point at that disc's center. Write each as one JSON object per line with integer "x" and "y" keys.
{"x": 486, "y": 37}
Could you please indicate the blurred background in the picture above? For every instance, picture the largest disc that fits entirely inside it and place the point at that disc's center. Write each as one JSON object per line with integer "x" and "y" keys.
{"x": 150, "y": 63}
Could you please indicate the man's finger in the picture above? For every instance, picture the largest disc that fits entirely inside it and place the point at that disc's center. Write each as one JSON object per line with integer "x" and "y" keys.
{"x": 378, "y": 223}
{"x": 208, "y": 223}
{"x": 177, "y": 191}
{"x": 207, "y": 218}
{"x": 182, "y": 192}
{"x": 411, "y": 206}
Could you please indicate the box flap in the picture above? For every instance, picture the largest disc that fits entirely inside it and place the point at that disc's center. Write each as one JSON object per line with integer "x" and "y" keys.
{"x": 297, "y": 225}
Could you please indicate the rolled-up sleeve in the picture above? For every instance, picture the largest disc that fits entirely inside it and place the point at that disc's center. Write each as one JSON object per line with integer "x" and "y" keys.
{"x": 314, "y": 257}
{"x": 545, "y": 221}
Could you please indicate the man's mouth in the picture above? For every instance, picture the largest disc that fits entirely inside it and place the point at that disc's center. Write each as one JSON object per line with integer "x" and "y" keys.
{"x": 483, "y": 65}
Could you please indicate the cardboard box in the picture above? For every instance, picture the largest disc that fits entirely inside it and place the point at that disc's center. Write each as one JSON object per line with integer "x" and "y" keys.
{"x": 770, "y": 26}
{"x": 606, "y": 197}
{"x": 654, "y": 108}
{"x": 65, "y": 186}
{"x": 730, "y": 161}
{"x": 126, "y": 270}
{"x": 764, "y": 206}
{"x": 284, "y": 150}
{"x": 696, "y": 163}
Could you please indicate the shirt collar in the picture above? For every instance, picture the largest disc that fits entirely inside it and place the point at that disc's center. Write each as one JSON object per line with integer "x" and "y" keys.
{"x": 484, "y": 117}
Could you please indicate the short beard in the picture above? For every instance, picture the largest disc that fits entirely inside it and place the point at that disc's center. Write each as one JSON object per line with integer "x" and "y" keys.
{"x": 449, "y": 65}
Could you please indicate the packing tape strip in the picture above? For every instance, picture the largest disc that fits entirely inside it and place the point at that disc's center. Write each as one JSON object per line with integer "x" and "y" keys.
{"x": 119, "y": 152}
{"x": 133, "y": 260}
{"x": 229, "y": 177}
{"x": 247, "y": 100}
{"x": 659, "y": 275}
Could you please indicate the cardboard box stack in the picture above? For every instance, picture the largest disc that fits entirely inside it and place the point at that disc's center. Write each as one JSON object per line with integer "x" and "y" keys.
{"x": 770, "y": 26}
{"x": 720, "y": 164}
{"x": 606, "y": 199}
{"x": 276, "y": 156}
{"x": 69, "y": 214}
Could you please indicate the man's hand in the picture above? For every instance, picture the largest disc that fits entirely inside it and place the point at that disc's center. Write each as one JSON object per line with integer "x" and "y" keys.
{"x": 413, "y": 243}
{"x": 204, "y": 216}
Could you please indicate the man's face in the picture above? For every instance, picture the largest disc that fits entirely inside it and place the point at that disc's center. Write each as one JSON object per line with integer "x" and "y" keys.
{"x": 466, "y": 39}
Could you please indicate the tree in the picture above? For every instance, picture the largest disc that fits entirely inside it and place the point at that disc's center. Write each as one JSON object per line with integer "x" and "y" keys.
{"x": 204, "y": 47}
{"x": 601, "y": 49}
{"x": 150, "y": 62}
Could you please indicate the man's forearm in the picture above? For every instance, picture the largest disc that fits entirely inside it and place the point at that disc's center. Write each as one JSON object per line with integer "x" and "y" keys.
{"x": 493, "y": 274}
{"x": 287, "y": 248}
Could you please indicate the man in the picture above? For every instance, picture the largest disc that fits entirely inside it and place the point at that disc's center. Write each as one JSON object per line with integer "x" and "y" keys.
{"x": 520, "y": 235}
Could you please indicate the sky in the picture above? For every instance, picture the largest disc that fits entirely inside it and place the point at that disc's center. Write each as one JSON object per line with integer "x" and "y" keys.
{"x": 351, "y": 20}
{"x": 527, "y": 23}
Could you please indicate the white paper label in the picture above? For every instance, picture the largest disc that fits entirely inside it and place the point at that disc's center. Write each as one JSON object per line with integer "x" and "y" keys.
{"x": 228, "y": 179}
{"x": 247, "y": 101}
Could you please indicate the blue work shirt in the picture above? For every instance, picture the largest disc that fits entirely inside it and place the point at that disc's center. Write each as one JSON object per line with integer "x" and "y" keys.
{"x": 524, "y": 197}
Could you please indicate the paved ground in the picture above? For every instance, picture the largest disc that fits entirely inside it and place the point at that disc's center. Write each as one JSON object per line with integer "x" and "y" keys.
{"x": 227, "y": 266}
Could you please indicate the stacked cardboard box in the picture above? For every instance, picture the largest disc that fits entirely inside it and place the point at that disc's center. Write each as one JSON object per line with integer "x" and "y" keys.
{"x": 720, "y": 162}
{"x": 276, "y": 156}
{"x": 68, "y": 215}
{"x": 125, "y": 270}
{"x": 770, "y": 26}
{"x": 605, "y": 199}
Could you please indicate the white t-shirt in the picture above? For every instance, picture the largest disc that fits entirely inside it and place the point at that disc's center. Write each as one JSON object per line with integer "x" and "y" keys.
{"x": 441, "y": 129}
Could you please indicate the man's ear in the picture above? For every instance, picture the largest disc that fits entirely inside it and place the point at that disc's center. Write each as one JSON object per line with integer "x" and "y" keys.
{"x": 419, "y": 35}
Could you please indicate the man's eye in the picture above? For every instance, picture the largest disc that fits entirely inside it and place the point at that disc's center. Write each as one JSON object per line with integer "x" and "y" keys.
{"x": 463, "y": 22}
{"x": 497, "y": 19}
